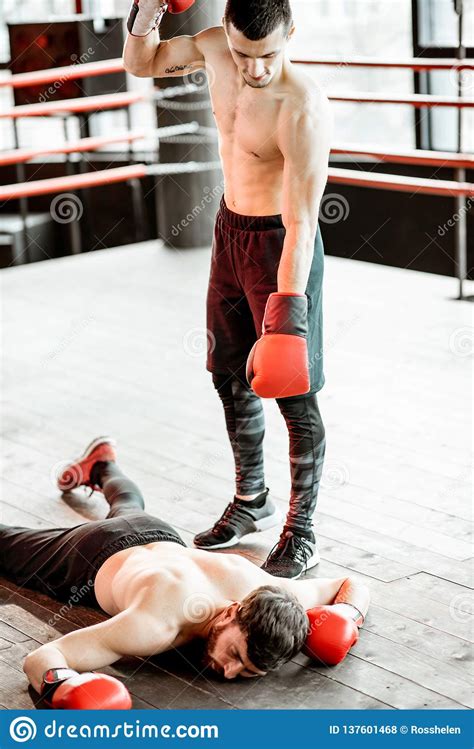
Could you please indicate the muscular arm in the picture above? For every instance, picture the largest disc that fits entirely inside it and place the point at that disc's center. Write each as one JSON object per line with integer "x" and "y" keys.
{"x": 304, "y": 140}
{"x": 323, "y": 591}
{"x": 149, "y": 57}
{"x": 134, "y": 631}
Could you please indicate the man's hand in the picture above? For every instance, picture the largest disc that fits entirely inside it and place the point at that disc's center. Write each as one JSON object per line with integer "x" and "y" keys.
{"x": 146, "y": 15}
{"x": 278, "y": 366}
{"x": 65, "y": 689}
{"x": 331, "y": 635}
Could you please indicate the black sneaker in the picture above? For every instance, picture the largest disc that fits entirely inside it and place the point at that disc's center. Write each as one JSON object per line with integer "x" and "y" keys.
{"x": 239, "y": 519}
{"x": 292, "y": 555}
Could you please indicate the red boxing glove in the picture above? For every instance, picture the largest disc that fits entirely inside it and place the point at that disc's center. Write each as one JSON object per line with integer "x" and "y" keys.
{"x": 278, "y": 365}
{"x": 179, "y": 6}
{"x": 65, "y": 689}
{"x": 331, "y": 635}
{"x": 146, "y": 15}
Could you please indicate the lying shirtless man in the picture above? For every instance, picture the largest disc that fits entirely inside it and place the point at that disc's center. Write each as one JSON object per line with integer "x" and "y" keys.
{"x": 267, "y": 263}
{"x": 160, "y": 594}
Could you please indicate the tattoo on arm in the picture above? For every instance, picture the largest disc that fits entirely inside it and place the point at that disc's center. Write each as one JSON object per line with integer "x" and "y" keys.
{"x": 177, "y": 68}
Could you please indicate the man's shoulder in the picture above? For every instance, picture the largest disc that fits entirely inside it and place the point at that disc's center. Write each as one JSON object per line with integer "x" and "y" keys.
{"x": 211, "y": 40}
{"x": 305, "y": 95}
{"x": 304, "y": 108}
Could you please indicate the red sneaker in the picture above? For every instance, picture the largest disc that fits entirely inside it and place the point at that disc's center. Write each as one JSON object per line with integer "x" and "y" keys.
{"x": 78, "y": 472}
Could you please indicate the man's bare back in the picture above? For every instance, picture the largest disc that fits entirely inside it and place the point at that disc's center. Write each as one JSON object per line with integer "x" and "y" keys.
{"x": 200, "y": 580}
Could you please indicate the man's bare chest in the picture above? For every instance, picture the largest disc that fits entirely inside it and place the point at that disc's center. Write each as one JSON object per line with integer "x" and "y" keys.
{"x": 247, "y": 123}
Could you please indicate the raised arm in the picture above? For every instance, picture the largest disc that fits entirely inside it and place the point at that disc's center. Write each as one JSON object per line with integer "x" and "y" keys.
{"x": 145, "y": 55}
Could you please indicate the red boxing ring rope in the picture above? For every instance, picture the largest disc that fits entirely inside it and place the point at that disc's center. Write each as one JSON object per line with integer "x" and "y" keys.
{"x": 121, "y": 174}
{"x": 74, "y": 106}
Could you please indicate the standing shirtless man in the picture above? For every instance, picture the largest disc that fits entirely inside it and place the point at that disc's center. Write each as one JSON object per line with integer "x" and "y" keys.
{"x": 267, "y": 257}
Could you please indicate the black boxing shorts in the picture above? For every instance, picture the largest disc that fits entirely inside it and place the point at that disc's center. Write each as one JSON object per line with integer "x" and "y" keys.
{"x": 246, "y": 253}
{"x": 63, "y": 562}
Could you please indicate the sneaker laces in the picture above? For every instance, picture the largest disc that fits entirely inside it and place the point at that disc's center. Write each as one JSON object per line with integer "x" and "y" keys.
{"x": 231, "y": 516}
{"x": 295, "y": 547}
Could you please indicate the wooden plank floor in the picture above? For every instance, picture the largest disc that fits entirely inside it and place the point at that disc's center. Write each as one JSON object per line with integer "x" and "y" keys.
{"x": 113, "y": 342}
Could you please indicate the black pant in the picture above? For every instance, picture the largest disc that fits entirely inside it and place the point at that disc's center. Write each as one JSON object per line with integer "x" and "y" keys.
{"x": 246, "y": 253}
{"x": 63, "y": 562}
{"x": 307, "y": 443}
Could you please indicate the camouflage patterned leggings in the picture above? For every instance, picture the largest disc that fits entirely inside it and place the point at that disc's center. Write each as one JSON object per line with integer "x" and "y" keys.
{"x": 246, "y": 429}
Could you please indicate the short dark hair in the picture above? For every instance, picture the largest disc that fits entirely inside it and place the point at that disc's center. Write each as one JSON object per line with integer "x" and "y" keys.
{"x": 275, "y": 624}
{"x": 256, "y": 19}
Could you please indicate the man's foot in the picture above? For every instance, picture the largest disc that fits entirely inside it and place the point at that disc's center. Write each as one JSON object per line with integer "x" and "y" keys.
{"x": 293, "y": 555}
{"x": 78, "y": 472}
{"x": 239, "y": 519}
